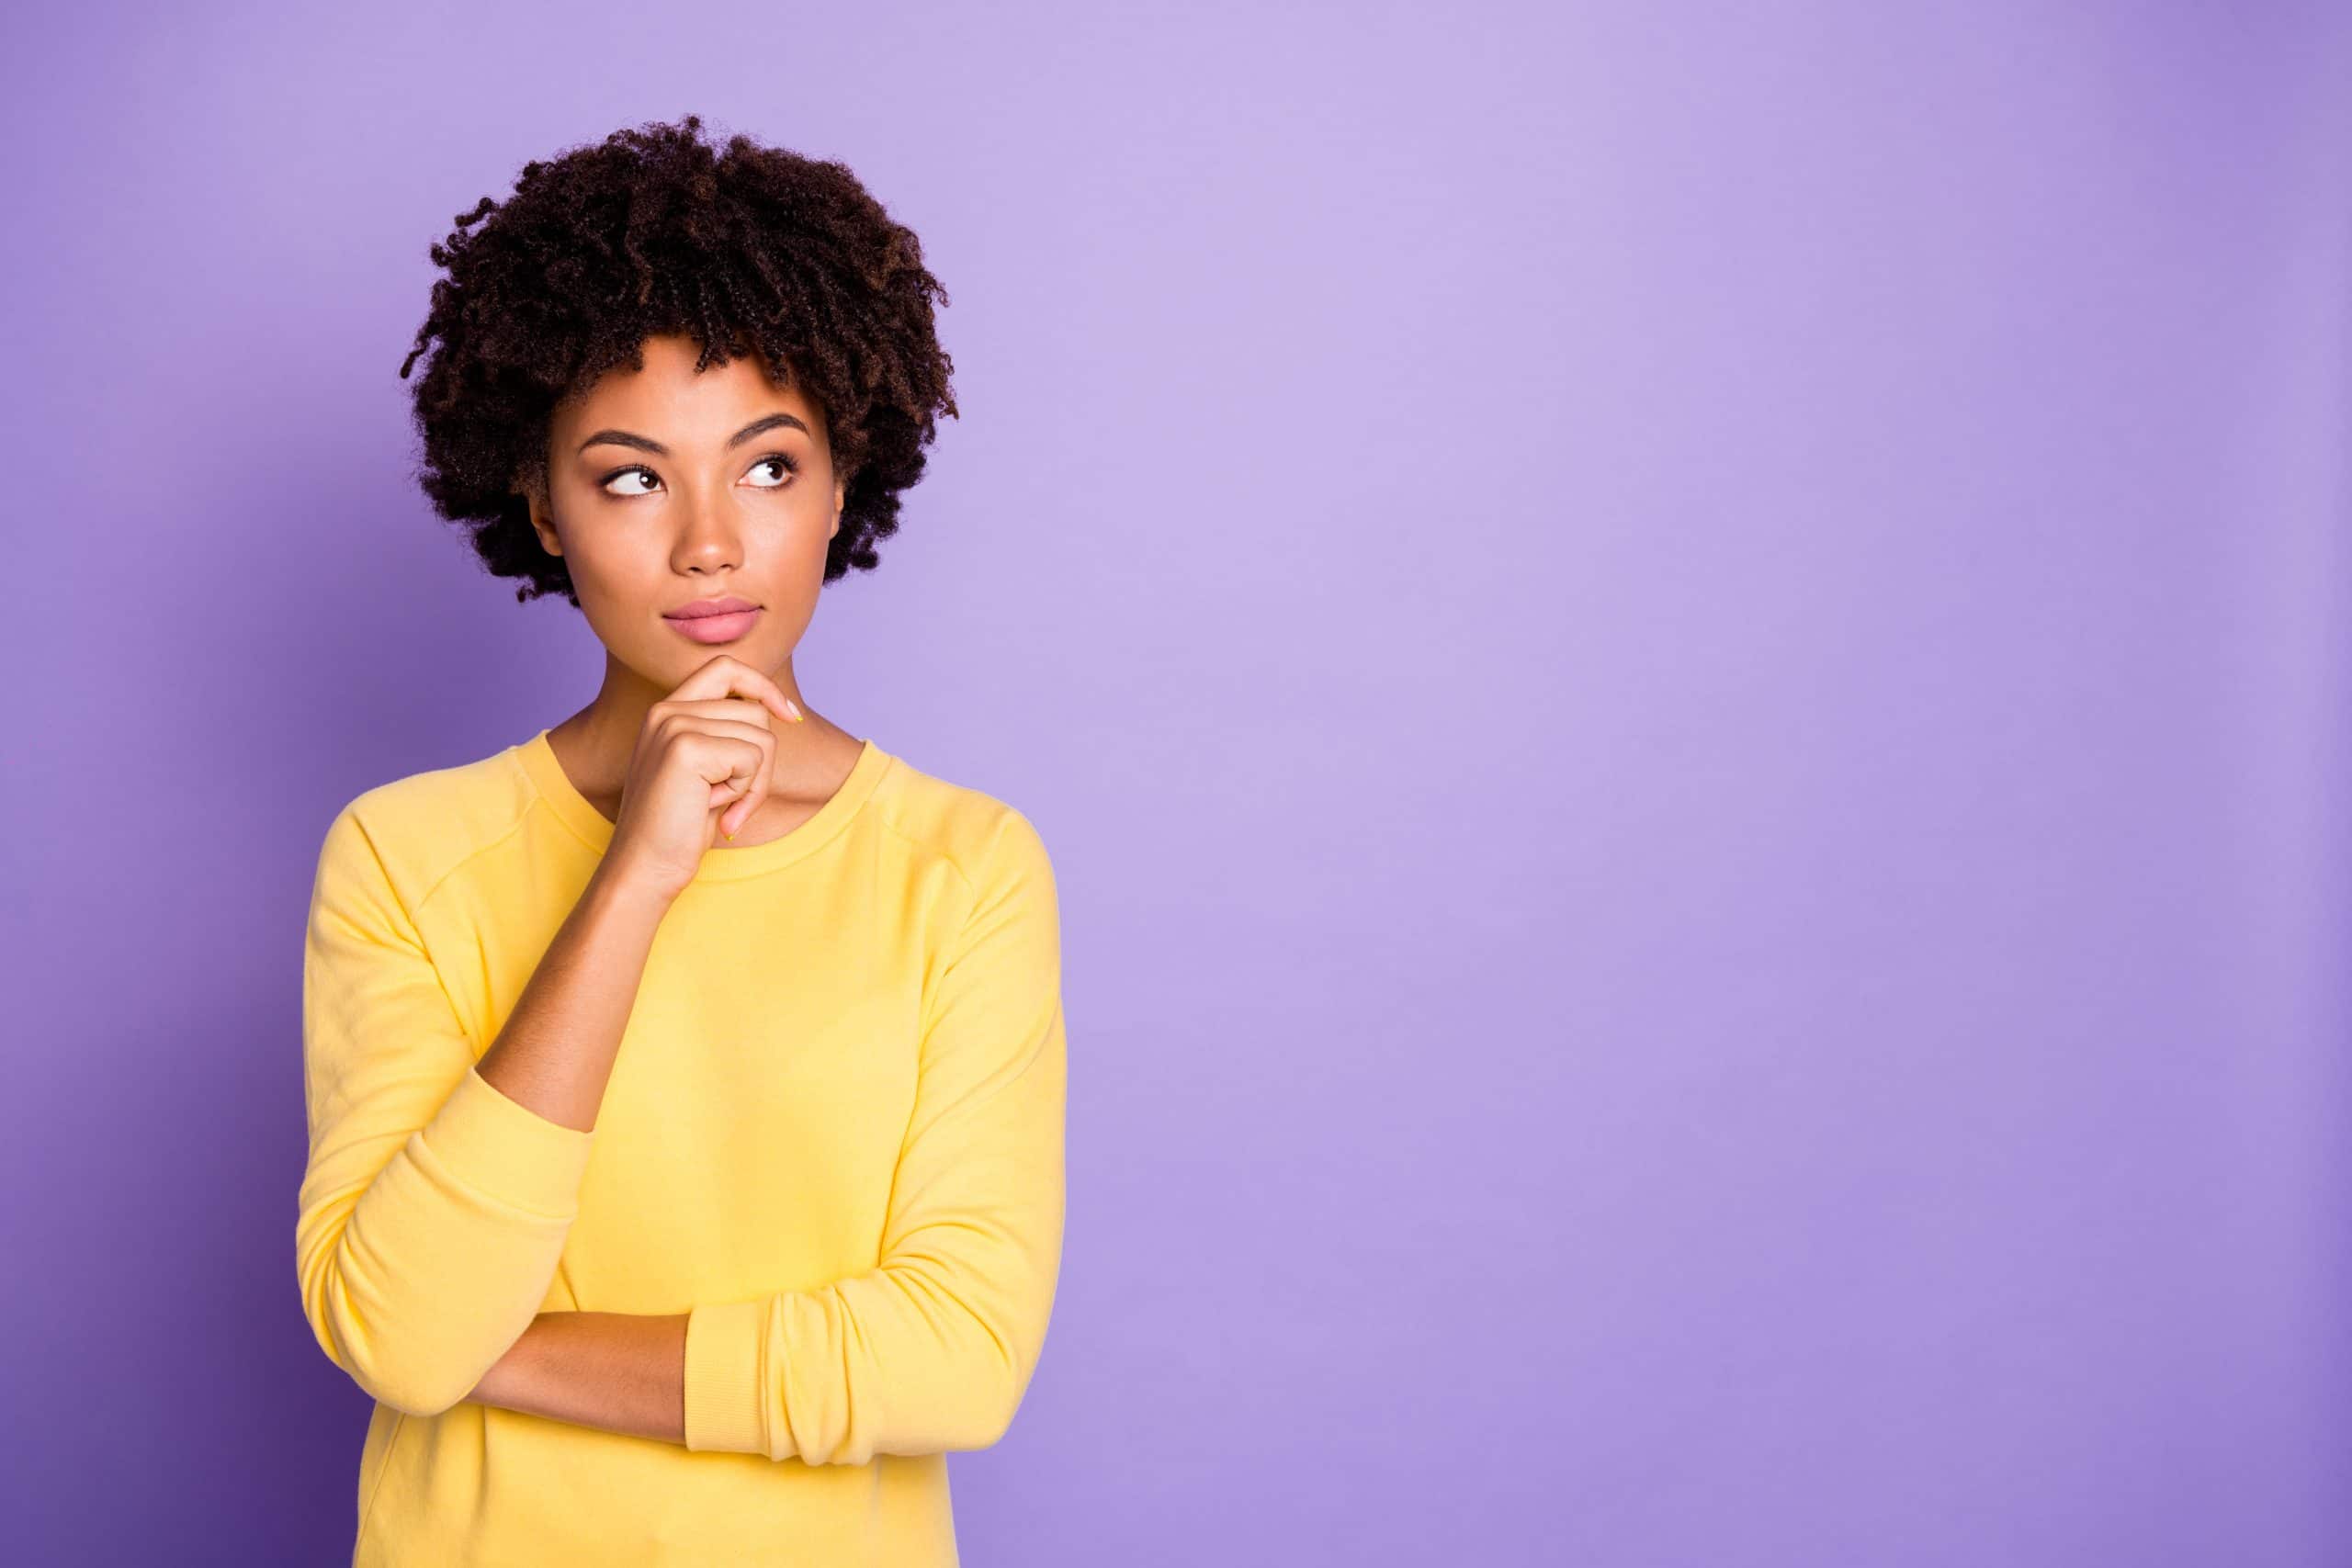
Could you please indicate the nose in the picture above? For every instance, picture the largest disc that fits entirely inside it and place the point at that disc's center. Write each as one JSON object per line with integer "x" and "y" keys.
{"x": 708, "y": 540}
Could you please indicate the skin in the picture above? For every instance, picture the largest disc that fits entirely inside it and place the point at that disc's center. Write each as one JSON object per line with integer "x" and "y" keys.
{"x": 645, "y": 532}
{"x": 712, "y": 521}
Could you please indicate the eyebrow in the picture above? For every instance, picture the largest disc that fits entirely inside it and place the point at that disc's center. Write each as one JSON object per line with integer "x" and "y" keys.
{"x": 647, "y": 443}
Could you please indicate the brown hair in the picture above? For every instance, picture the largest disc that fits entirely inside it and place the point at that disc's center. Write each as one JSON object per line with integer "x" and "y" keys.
{"x": 654, "y": 232}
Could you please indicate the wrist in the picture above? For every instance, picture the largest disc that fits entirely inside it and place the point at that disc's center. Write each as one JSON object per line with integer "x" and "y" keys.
{"x": 617, "y": 888}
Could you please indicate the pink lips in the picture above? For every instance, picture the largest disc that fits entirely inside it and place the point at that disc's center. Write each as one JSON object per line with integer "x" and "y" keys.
{"x": 714, "y": 620}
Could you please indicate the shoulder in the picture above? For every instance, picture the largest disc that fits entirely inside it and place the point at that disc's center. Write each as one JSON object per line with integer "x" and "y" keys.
{"x": 415, "y": 830}
{"x": 984, "y": 838}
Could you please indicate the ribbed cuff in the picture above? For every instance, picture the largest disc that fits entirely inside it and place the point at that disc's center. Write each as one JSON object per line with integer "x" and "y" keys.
{"x": 727, "y": 1389}
{"x": 504, "y": 1147}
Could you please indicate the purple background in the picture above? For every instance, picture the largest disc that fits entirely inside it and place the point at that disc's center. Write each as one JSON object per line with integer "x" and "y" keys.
{"x": 1686, "y": 667}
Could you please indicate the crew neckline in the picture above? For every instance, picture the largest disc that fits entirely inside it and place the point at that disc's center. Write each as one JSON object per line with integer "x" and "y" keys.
{"x": 721, "y": 862}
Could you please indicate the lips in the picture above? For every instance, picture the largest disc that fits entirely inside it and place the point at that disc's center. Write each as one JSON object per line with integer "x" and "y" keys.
{"x": 714, "y": 620}
{"x": 701, "y": 608}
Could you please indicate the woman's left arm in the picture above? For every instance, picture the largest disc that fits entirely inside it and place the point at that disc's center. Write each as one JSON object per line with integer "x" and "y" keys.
{"x": 933, "y": 1350}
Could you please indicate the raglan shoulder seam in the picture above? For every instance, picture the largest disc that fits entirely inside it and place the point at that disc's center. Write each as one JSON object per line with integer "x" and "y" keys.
{"x": 521, "y": 817}
{"x": 971, "y": 883}
{"x": 416, "y": 907}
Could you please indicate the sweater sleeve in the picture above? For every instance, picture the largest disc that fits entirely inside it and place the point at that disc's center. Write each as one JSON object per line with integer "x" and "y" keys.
{"x": 434, "y": 1208}
{"x": 933, "y": 1350}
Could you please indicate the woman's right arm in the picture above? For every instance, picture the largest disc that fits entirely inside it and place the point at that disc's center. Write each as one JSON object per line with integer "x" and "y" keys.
{"x": 439, "y": 1190}
{"x": 557, "y": 1050}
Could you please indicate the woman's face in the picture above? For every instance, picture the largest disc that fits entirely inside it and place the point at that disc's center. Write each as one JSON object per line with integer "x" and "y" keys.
{"x": 666, "y": 488}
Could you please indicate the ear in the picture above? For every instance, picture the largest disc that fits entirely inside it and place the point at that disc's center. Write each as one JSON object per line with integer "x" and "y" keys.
{"x": 540, "y": 524}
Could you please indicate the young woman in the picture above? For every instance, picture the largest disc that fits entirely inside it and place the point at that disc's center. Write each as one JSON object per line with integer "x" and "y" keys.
{"x": 686, "y": 1083}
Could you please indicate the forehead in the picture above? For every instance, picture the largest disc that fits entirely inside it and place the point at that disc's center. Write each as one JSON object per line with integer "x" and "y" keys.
{"x": 667, "y": 398}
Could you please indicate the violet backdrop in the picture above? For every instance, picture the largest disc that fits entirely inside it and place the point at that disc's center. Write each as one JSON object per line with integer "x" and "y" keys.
{"x": 1686, "y": 667}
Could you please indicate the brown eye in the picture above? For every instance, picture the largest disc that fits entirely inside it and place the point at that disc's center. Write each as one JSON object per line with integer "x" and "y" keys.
{"x": 624, "y": 474}
{"x": 774, "y": 460}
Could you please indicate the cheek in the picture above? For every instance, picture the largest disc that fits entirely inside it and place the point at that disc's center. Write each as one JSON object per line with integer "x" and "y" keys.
{"x": 795, "y": 534}
{"x": 616, "y": 578}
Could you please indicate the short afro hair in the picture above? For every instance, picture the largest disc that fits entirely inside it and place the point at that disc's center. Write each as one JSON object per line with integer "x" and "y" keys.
{"x": 654, "y": 233}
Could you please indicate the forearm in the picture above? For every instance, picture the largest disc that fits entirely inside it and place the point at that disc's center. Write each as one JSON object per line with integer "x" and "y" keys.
{"x": 555, "y": 1050}
{"x": 616, "y": 1370}
{"x": 434, "y": 1204}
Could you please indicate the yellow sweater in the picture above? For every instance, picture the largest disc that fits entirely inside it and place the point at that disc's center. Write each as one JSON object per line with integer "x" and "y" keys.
{"x": 833, "y": 1135}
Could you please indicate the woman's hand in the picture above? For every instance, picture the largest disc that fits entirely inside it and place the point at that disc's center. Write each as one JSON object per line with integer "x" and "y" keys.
{"x": 701, "y": 767}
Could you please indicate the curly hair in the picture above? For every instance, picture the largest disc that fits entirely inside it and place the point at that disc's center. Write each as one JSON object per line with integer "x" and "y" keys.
{"x": 652, "y": 233}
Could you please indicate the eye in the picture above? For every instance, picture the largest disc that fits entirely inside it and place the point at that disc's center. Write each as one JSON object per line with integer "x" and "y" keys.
{"x": 777, "y": 460}
{"x": 774, "y": 459}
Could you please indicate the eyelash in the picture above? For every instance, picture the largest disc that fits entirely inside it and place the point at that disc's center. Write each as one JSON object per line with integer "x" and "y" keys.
{"x": 781, "y": 459}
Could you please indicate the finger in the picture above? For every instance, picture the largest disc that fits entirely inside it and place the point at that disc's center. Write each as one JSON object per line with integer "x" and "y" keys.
{"x": 734, "y": 720}
{"x": 730, "y": 822}
{"x": 733, "y": 806}
{"x": 756, "y": 791}
{"x": 723, "y": 749}
{"x": 729, "y": 780}
{"x": 725, "y": 675}
{"x": 733, "y": 798}
{"x": 737, "y": 760}
{"x": 748, "y": 710}
{"x": 739, "y": 710}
